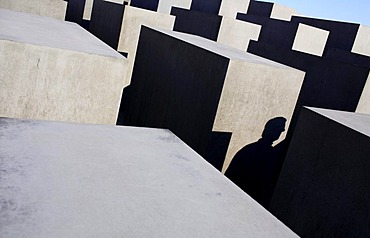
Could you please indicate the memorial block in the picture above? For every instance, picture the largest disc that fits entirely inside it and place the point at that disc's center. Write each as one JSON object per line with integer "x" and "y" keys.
{"x": 56, "y": 70}
{"x": 73, "y": 180}
{"x": 133, "y": 19}
{"x": 323, "y": 188}
{"x": 205, "y": 88}
{"x": 49, "y": 8}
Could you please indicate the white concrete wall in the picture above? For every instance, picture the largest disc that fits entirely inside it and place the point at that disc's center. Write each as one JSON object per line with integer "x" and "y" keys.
{"x": 69, "y": 180}
{"x": 48, "y": 8}
{"x": 230, "y": 8}
{"x": 364, "y": 103}
{"x": 254, "y": 93}
{"x": 164, "y": 6}
{"x": 282, "y": 12}
{"x": 130, "y": 31}
{"x": 362, "y": 41}
{"x": 237, "y": 34}
{"x": 55, "y": 70}
{"x": 310, "y": 40}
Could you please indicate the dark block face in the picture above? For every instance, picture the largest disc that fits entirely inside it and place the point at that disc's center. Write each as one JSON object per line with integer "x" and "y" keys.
{"x": 327, "y": 84}
{"x": 323, "y": 189}
{"x": 263, "y": 9}
{"x": 348, "y": 57}
{"x": 275, "y": 32}
{"x": 145, "y": 4}
{"x": 106, "y": 21}
{"x": 75, "y": 11}
{"x": 342, "y": 34}
{"x": 175, "y": 85}
{"x": 196, "y": 23}
{"x": 208, "y": 6}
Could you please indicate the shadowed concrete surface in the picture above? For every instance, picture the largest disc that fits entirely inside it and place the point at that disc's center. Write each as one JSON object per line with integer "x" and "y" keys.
{"x": 323, "y": 188}
{"x": 56, "y": 70}
{"x": 74, "y": 180}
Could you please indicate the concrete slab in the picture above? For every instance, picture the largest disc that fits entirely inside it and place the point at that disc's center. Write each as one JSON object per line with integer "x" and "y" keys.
{"x": 310, "y": 40}
{"x": 73, "y": 180}
{"x": 56, "y": 70}
{"x": 49, "y": 8}
{"x": 270, "y": 10}
{"x": 106, "y": 21}
{"x": 323, "y": 187}
{"x": 205, "y": 88}
{"x": 229, "y": 8}
{"x": 88, "y": 9}
{"x": 164, "y": 6}
{"x": 237, "y": 34}
{"x": 133, "y": 19}
{"x": 202, "y": 24}
{"x": 364, "y": 102}
{"x": 362, "y": 41}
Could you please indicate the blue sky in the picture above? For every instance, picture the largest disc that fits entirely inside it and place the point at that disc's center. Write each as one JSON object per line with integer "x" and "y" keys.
{"x": 356, "y": 11}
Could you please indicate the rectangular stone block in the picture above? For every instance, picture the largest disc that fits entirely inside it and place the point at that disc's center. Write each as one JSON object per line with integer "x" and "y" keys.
{"x": 202, "y": 24}
{"x": 164, "y": 6}
{"x": 73, "y": 180}
{"x": 209, "y": 6}
{"x": 323, "y": 187}
{"x": 310, "y": 40}
{"x": 237, "y": 34}
{"x": 270, "y": 10}
{"x": 205, "y": 88}
{"x": 362, "y": 41}
{"x": 133, "y": 19}
{"x": 56, "y": 70}
{"x": 106, "y": 21}
{"x": 229, "y": 8}
{"x": 49, "y": 8}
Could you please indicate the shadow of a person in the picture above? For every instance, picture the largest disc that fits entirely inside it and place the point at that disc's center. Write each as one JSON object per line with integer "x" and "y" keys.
{"x": 255, "y": 168}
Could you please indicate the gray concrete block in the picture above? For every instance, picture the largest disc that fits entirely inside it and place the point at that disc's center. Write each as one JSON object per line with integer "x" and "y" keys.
{"x": 196, "y": 87}
{"x": 323, "y": 189}
{"x": 73, "y": 180}
{"x": 49, "y": 8}
{"x": 56, "y": 70}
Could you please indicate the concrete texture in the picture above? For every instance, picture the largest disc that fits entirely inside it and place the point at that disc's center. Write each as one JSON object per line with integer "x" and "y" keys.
{"x": 72, "y": 180}
{"x": 362, "y": 41}
{"x": 364, "y": 102}
{"x": 270, "y": 10}
{"x": 55, "y": 70}
{"x": 310, "y": 40}
{"x": 237, "y": 34}
{"x": 323, "y": 187}
{"x": 236, "y": 94}
{"x": 342, "y": 34}
{"x": 202, "y": 24}
{"x": 49, "y": 8}
{"x": 133, "y": 19}
{"x": 88, "y": 9}
{"x": 36, "y": 30}
{"x": 282, "y": 12}
{"x": 164, "y": 6}
{"x": 229, "y": 8}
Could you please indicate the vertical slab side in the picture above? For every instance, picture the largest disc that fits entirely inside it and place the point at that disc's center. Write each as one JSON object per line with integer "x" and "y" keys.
{"x": 49, "y": 8}
{"x": 88, "y": 9}
{"x": 282, "y": 12}
{"x": 56, "y": 84}
{"x": 364, "y": 102}
{"x": 310, "y": 40}
{"x": 323, "y": 187}
{"x": 252, "y": 95}
{"x": 164, "y": 6}
{"x": 230, "y": 8}
{"x": 133, "y": 19}
{"x": 237, "y": 34}
{"x": 362, "y": 41}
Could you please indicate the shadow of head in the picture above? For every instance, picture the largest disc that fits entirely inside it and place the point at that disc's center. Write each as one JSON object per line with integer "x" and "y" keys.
{"x": 273, "y": 129}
